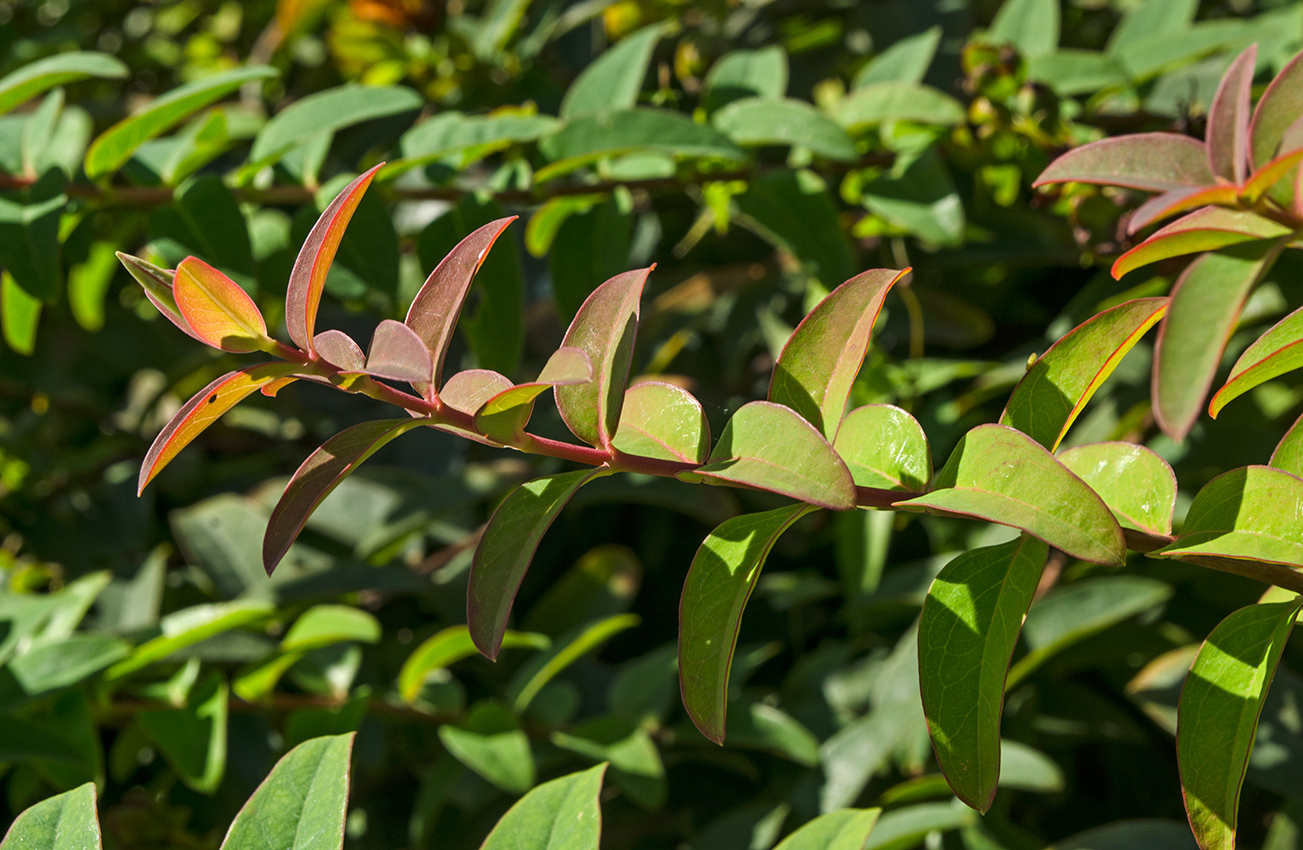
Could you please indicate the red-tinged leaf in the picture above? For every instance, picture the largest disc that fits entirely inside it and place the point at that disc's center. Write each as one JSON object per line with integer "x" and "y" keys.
{"x": 1279, "y": 107}
{"x": 503, "y": 417}
{"x": 398, "y": 353}
{"x": 217, "y": 309}
{"x": 204, "y": 409}
{"x": 339, "y": 350}
{"x": 1057, "y": 386}
{"x": 437, "y": 305}
{"x": 1137, "y": 485}
{"x": 817, "y": 366}
{"x": 767, "y": 446}
{"x": 1276, "y": 352}
{"x": 319, "y": 475}
{"x": 1267, "y": 176}
{"x": 157, "y": 284}
{"x": 308, "y": 277}
{"x": 508, "y": 545}
{"x": 662, "y": 421}
{"x": 1179, "y": 200}
{"x": 1204, "y": 230}
{"x": 1289, "y": 451}
{"x": 1228, "y": 119}
{"x": 1156, "y": 162}
{"x": 605, "y": 328}
{"x": 885, "y": 449}
{"x": 466, "y": 393}
{"x": 277, "y": 385}
{"x": 1204, "y": 307}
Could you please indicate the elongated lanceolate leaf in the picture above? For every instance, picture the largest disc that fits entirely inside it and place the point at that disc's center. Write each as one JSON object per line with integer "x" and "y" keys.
{"x": 319, "y": 475}
{"x": 398, "y": 353}
{"x": 510, "y": 539}
{"x": 115, "y": 145}
{"x": 817, "y": 366}
{"x": 1137, "y": 485}
{"x": 1228, "y": 119}
{"x": 877, "y": 103}
{"x": 67, "y": 821}
{"x": 1278, "y": 108}
{"x": 1217, "y": 716}
{"x": 1288, "y": 454}
{"x": 719, "y": 583}
{"x": 767, "y": 446}
{"x": 568, "y": 648}
{"x": 1157, "y": 162}
{"x": 1276, "y": 352}
{"x": 843, "y": 829}
{"x": 1055, "y": 389}
{"x": 662, "y": 421}
{"x": 1002, "y": 475}
{"x": 504, "y": 416}
{"x": 1247, "y": 521}
{"x": 1204, "y": 230}
{"x": 57, "y": 70}
{"x": 301, "y": 803}
{"x": 564, "y": 814}
{"x": 215, "y": 307}
{"x": 966, "y": 636}
{"x": 1268, "y": 175}
{"x": 203, "y": 409}
{"x": 157, "y": 284}
{"x": 339, "y": 350}
{"x": 604, "y": 328}
{"x": 188, "y": 627}
{"x": 437, "y": 305}
{"x": 1203, "y": 309}
{"x": 448, "y": 647}
{"x": 885, "y": 449}
{"x": 308, "y": 277}
{"x": 1178, "y": 200}
{"x": 615, "y": 78}
{"x": 756, "y": 121}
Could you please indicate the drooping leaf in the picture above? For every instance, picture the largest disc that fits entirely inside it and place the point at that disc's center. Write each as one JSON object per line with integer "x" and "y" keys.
{"x": 843, "y": 829}
{"x": 1032, "y": 26}
{"x": 1207, "y": 229}
{"x": 817, "y": 366}
{"x": 67, "y": 821}
{"x": 767, "y": 446}
{"x": 746, "y": 73}
{"x": 1057, "y": 386}
{"x": 491, "y": 743}
{"x": 885, "y": 448}
{"x": 339, "y": 350}
{"x": 504, "y": 416}
{"x": 1288, "y": 454}
{"x": 1137, "y": 485}
{"x": 757, "y": 121}
{"x": 905, "y": 61}
{"x": 397, "y": 353}
{"x": 115, "y": 145}
{"x": 966, "y": 637}
{"x": 614, "y": 79}
{"x": 663, "y": 421}
{"x": 1276, "y": 352}
{"x": 215, "y": 307}
{"x": 32, "y": 79}
{"x": 449, "y": 646}
{"x": 535, "y": 673}
{"x": 1002, "y": 475}
{"x": 193, "y": 738}
{"x": 1218, "y": 714}
{"x": 510, "y": 539}
{"x": 1203, "y": 309}
{"x": 564, "y": 814}
{"x": 19, "y": 315}
{"x": 301, "y": 803}
{"x": 203, "y": 409}
{"x": 190, "y": 626}
{"x": 877, "y": 103}
{"x": 308, "y": 277}
{"x": 588, "y": 138}
{"x": 1228, "y": 119}
{"x": 1277, "y": 109}
{"x": 29, "y": 236}
{"x": 1156, "y": 162}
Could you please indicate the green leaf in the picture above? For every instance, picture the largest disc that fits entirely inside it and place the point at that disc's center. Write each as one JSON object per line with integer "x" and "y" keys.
{"x": 878, "y": 103}
{"x": 1028, "y": 769}
{"x": 589, "y": 246}
{"x": 1288, "y": 454}
{"x": 614, "y": 79}
{"x": 504, "y": 416}
{"x": 904, "y": 828}
{"x": 966, "y": 637}
{"x": 843, "y": 829}
{"x": 1057, "y": 386}
{"x": 491, "y": 743}
{"x": 190, "y": 626}
{"x": 564, "y": 651}
{"x": 905, "y": 61}
{"x": 758, "y": 121}
{"x": 1137, "y": 485}
{"x": 1132, "y": 834}
{"x": 1072, "y": 72}
{"x": 759, "y": 726}
{"x": 452, "y": 132}
{"x": 38, "y": 131}
{"x": 510, "y": 539}
{"x": 206, "y": 218}
{"x": 319, "y": 626}
{"x": 193, "y": 739}
{"x": 1228, "y": 119}
{"x": 449, "y": 646}
{"x": 115, "y": 145}
{"x": 720, "y": 581}
{"x": 919, "y": 196}
{"x": 884, "y": 448}
{"x": 1150, "y": 19}
{"x": 1156, "y": 162}
{"x": 635, "y": 763}
{"x": 1032, "y": 26}
{"x": 587, "y": 138}
{"x": 1218, "y": 714}
{"x": 29, "y": 236}
{"x": 30, "y": 80}
{"x": 564, "y": 814}
{"x": 67, "y": 821}
{"x": 746, "y": 73}
{"x": 767, "y": 446}
{"x": 862, "y": 747}
{"x": 1001, "y": 475}
{"x": 19, "y": 315}
{"x": 301, "y": 804}
{"x": 1204, "y": 307}
{"x": 662, "y": 421}
{"x": 88, "y": 284}
{"x": 794, "y": 211}
{"x": 817, "y": 366}
{"x": 1276, "y": 352}
{"x": 1278, "y": 108}
{"x": 52, "y": 664}
{"x": 1204, "y": 230}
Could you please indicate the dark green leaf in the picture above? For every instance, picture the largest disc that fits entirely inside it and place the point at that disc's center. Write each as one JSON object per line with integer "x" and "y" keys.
{"x": 919, "y": 196}
{"x": 190, "y": 626}
{"x": 635, "y": 763}
{"x": 193, "y": 738}
{"x": 757, "y": 121}
{"x": 491, "y": 743}
{"x": 588, "y": 138}
{"x": 29, "y": 236}
{"x": 205, "y": 218}
{"x": 564, "y": 651}
{"x": 590, "y": 246}
{"x": 1132, "y": 834}
{"x": 794, "y": 210}
{"x": 66, "y": 821}
{"x": 564, "y": 814}
{"x": 301, "y": 804}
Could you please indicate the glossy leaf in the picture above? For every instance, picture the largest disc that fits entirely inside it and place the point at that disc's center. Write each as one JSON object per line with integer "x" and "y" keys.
{"x": 1288, "y": 454}
{"x": 215, "y": 307}
{"x": 1276, "y": 352}
{"x": 817, "y": 366}
{"x": 614, "y": 78}
{"x": 1001, "y": 475}
{"x": 1156, "y": 162}
{"x": 60, "y": 69}
{"x": 491, "y": 743}
{"x": 535, "y": 673}
{"x": 1057, "y": 386}
{"x": 1218, "y": 714}
{"x": 662, "y": 421}
{"x": 564, "y": 814}
{"x": 157, "y": 284}
{"x": 1277, "y": 109}
{"x": 203, "y": 409}
{"x": 1137, "y": 485}
{"x": 719, "y": 583}
{"x": 504, "y": 416}
{"x": 339, "y": 350}
{"x": 885, "y": 448}
{"x": 767, "y": 446}
{"x": 301, "y": 803}
{"x": 843, "y": 829}
{"x": 308, "y": 277}
{"x": 1203, "y": 309}
{"x": 1228, "y": 119}
{"x": 193, "y": 738}
{"x": 878, "y": 103}
{"x": 188, "y": 627}
{"x": 397, "y": 353}
{"x": 319, "y": 475}
{"x": 67, "y": 821}
{"x": 449, "y": 646}
{"x": 115, "y": 145}
{"x": 510, "y": 539}
{"x": 1208, "y": 229}
{"x": 757, "y": 121}
{"x": 1180, "y": 200}
{"x": 966, "y": 637}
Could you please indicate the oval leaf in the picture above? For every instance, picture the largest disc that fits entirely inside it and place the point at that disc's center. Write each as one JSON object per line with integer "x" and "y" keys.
{"x": 1276, "y": 352}
{"x": 491, "y": 743}
{"x": 67, "y": 821}
{"x": 1137, "y": 485}
{"x": 1156, "y": 162}
{"x": 564, "y": 813}
{"x": 719, "y": 583}
{"x": 757, "y": 121}
{"x": 339, "y": 350}
{"x": 877, "y": 103}
{"x": 448, "y": 647}
{"x": 662, "y": 421}
{"x": 885, "y": 449}
{"x": 843, "y": 829}
{"x": 504, "y": 416}
{"x": 1278, "y": 108}
{"x": 588, "y": 138}
{"x": 1204, "y": 230}
{"x": 1228, "y": 119}
{"x": 615, "y": 77}
{"x": 398, "y": 353}
{"x": 1288, "y": 454}
{"x": 966, "y": 636}
{"x": 1001, "y": 475}
{"x": 44, "y": 74}
{"x": 215, "y": 307}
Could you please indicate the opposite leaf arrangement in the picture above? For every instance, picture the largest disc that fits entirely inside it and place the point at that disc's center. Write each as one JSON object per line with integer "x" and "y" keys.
{"x": 1092, "y": 502}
